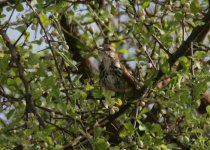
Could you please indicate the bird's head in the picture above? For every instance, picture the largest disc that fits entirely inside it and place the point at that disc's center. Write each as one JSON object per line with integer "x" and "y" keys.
{"x": 107, "y": 51}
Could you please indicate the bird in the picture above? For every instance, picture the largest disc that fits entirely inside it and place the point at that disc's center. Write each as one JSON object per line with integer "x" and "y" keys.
{"x": 114, "y": 75}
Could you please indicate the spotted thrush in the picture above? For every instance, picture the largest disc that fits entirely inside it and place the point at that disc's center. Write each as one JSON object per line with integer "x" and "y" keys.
{"x": 113, "y": 74}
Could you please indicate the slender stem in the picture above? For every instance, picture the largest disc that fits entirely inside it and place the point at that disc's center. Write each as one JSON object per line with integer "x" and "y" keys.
{"x": 192, "y": 69}
{"x": 28, "y": 94}
{"x": 27, "y": 25}
{"x": 51, "y": 49}
{"x": 10, "y": 17}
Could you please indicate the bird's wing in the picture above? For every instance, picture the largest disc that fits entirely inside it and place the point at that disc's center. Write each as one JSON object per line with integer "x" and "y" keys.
{"x": 129, "y": 78}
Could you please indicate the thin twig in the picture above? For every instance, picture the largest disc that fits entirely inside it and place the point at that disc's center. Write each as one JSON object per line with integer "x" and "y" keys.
{"x": 182, "y": 50}
{"x": 9, "y": 97}
{"x": 161, "y": 45}
{"x": 51, "y": 49}
{"x": 27, "y": 25}
{"x": 59, "y": 128}
{"x": 136, "y": 114}
{"x": 10, "y": 17}
{"x": 28, "y": 96}
{"x": 150, "y": 59}
{"x": 148, "y": 55}
{"x": 192, "y": 61}
{"x": 192, "y": 70}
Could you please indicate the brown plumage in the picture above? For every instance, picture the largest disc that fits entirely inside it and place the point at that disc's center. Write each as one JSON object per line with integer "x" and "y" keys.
{"x": 113, "y": 75}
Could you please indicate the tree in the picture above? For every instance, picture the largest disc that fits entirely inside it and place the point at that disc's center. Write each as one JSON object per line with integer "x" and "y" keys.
{"x": 49, "y": 91}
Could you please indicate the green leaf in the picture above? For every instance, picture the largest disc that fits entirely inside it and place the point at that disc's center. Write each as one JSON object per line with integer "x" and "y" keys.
{"x": 62, "y": 107}
{"x": 208, "y": 109}
{"x": 97, "y": 93}
{"x": 199, "y": 23}
{"x": 88, "y": 87}
{"x": 144, "y": 111}
{"x": 9, "y": 8}
{"x": 108, "y": 94}
{"x": 185, "y": 62}
{"x": 59, "y": 7}
{"x": 178, "y": 15}
{"x": 123, "y": 50}
{"x": 70, "y": 62}
{"x": 198, "y": 130}
{"x": 162, "y": 147}
{"x": 21, "y": 28}
{"x": 128, "y": 130}
{"x": 129, "y": 127}
{"x": 34, "y": 59}
{"x": 10, "y": 113}
{"x": 44, "y": 19}
{"x": 10, "y": 82}
{"x": 123, "y": 133}
{"x": 19, "y": 7}
{"x": 165, "y": 68}
{"x": 113, "y": 10}
{"x": 50, "y": 140}
{"x": 168, "y": 40}
{"x": 162, "y": 32}
{"x": 1, "y": 55}
{"x": 4, "y": 138}
{"x": 97, "y": 132}
{"x": 101, "y": 143}
{"x": 148, "y": 82}
{"x": 142, "y": 127}
{"x": 156, "y": 128}
{"x": 195, "y": 6}
{"x": 198, "y": 88}
{"x": 79, "y": 94}
{"x": 146, "y": 3}
{"x": 115, "y": 148}
{"x": 38, "y": 42}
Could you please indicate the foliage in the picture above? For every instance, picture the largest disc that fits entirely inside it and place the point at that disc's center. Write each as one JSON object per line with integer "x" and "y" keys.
{"x": 49, "y": 90}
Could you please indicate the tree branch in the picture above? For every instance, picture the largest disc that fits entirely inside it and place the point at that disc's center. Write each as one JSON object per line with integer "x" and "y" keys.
{"x": 195, "y": 35}
{"x": 16, "y": 58}
{"x": 8, "y": 96}
{"x": 181, "y": 51}
{"x": 51, "y": 49}
{"x": 161, "y": 45}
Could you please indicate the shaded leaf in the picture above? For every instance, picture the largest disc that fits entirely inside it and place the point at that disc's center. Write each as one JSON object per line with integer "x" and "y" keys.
{"x": 44, "y": 19}
{"x": 70, "y": 62}
{"x": 19, "y": 7}
{"x": 165, "y": 68}
{"x": 146, "y": 3}
{"x": 185, "y": 62}
{"x": 101, "y": 143}
{"x": 208, "y": 109}
{"x": 88, "y": 87}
